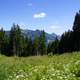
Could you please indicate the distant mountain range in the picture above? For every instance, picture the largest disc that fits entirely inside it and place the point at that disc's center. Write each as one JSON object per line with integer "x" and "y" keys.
{"x": 31, "y": 34}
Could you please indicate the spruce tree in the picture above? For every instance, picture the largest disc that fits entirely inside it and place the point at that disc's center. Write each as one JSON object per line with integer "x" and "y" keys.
{"x": 76, "y": 32}
{"x": 16, "y": 40}
{"x": 42, "y": 44}
{"x": 30, "y": 47}
{"x": 19, "y": 41}
{"x": 13, "y": 40}
{"x": 2, "y": 40}
{"x": 25, "y": 47}
{"x": 36, "y": 45}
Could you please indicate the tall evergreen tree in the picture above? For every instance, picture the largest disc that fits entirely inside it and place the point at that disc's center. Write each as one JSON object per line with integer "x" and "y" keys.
{"x": 25, "y": 47}
{"x": 42, "y": 44}
{"x": 53, "y": 46}
{"x": 66, "y": 42}
{"x": 6, "y": 49}
{"x": 16, "y": 40}
{"x": 49, "y": 48}
{"x": 76, "y": 25}
{"x": 76, "y": 32}
{"x": 13, "y": 40}
{"x": 36, "y": 45}
{"x": 2, "y": 40}
{"x": 30, "y": 47}
{"x": 19, "y": 41}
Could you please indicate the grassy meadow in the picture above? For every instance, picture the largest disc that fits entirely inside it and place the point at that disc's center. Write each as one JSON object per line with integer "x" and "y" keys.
{"x": 57, "y": 67}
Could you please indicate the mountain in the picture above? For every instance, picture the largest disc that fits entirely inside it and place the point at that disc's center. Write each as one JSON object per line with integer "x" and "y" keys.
{"x": 31, "y": 34}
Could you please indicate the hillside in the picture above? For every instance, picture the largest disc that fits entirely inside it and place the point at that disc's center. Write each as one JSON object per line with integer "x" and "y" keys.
{"x": 57, "y": 67}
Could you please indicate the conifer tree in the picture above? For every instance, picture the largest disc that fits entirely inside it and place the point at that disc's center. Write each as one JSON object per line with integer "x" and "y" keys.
{"x": 36, "y": 45}
{"x": 2, "y": 38}
{"x": 42, "y": 44}
{"x": 76, "y": 32}
{"x": 16, "y": 40}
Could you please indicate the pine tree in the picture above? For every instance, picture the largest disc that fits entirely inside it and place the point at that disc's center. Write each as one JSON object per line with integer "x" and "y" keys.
{"x": 49, "y": 48}
{"x": 2, "y": 38}
{"x": 53, "y": 46}
{"x": 36, "y": 45}
{"x": 19, "y": 41}
{"x": 25, "y": 47}
{"x": 76, "y": 32}
{"x": 13, "y": 40}
{"x": 76, "y": 25}
{"x": 6, "y": 50}
{"x": 16, "y": 41}
{"x": 42, "y": 44}
{"x": 30, "y": 47}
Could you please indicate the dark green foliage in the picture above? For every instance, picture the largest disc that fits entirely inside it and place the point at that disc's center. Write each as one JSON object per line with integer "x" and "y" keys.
{"x": 76, "y": 25}
{"x": 36, "y": 45}
{"x": 53, "y": 46}
{"x": 13, "y": 40}
{"x": 70, "y": 40}
{"x": 76, "y": 32}
{"x": 16, "y": 41}
{"x": 17, "y": 45}
{"x": 25, "y": 47}
{"x": 49, "y": 47}
{"x": 42, "y": 44}
{"x": 2, "y": 40}
{"x": 66, "y": 42}
{"x": 30, "y": 47}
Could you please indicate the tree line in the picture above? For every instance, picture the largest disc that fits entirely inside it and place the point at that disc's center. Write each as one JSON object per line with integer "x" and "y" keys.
{"x": 16, "y": 44}
{"x": 70, "y": 40}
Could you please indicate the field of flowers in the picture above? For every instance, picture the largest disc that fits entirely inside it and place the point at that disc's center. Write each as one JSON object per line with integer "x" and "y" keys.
{"x": 57, "y": 67}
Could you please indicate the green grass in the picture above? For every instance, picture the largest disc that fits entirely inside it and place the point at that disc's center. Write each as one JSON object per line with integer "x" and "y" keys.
{"x": 57, "y": 67}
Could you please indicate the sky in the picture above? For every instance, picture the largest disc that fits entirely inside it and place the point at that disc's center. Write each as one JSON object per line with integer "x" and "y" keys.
{"x": 54, "y": 16}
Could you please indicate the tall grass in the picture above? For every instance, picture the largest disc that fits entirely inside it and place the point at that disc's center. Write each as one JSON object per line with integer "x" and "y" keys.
{"x": 57, "y": 67}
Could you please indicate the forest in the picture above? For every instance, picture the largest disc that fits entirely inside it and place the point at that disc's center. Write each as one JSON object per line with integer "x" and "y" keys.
{"x": 16, "y": 44}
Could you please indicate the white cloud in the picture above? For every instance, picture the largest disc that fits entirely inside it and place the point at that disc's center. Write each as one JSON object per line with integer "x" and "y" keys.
{"x": 58, "y": 29}
{"x": 39, "y": 15}
{"x": 54, "y": 29}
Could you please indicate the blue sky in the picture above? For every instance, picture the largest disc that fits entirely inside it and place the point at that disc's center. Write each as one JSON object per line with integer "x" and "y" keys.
{"x": 54, "y": 16}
